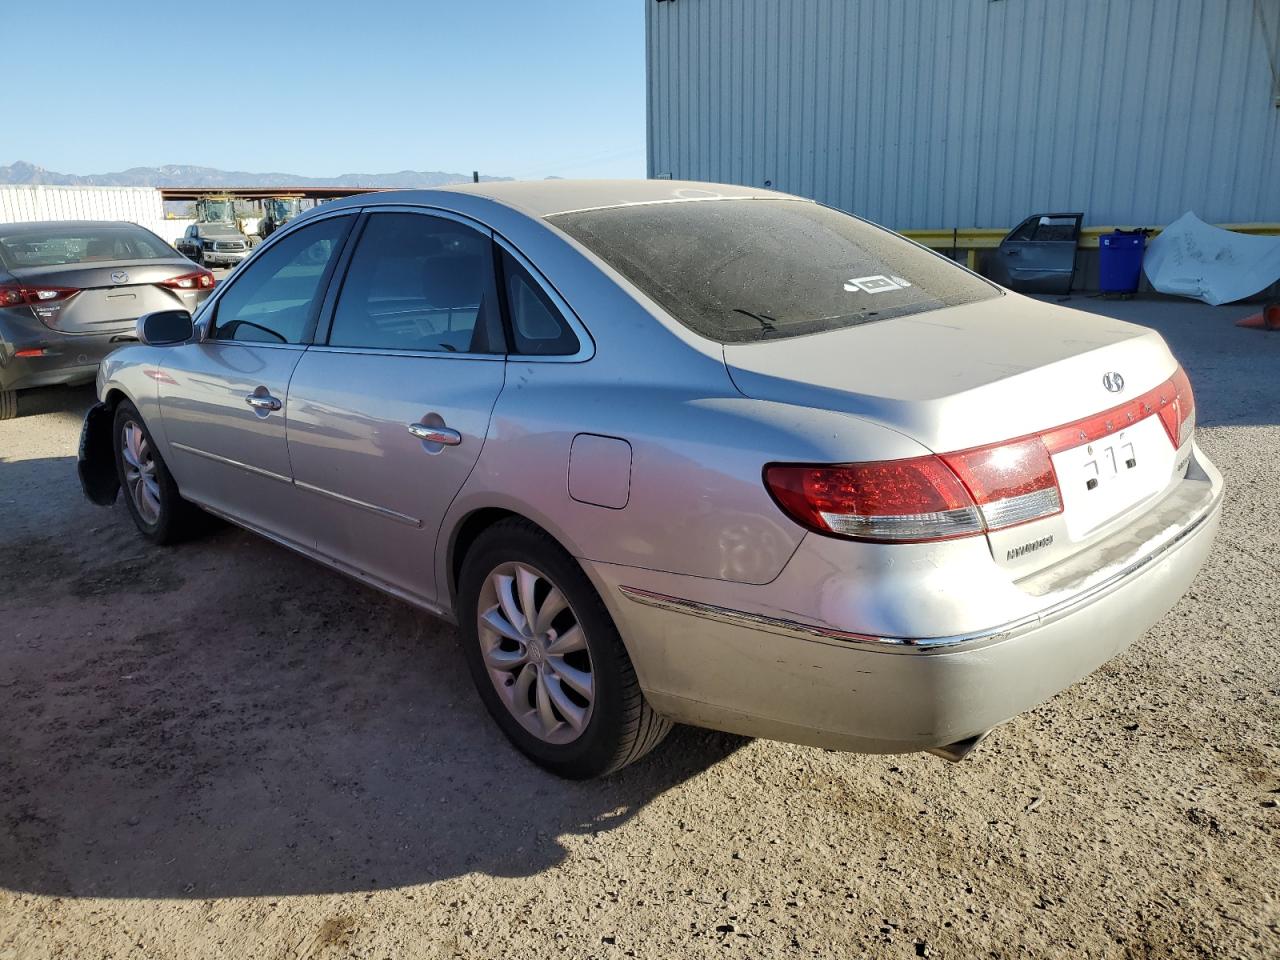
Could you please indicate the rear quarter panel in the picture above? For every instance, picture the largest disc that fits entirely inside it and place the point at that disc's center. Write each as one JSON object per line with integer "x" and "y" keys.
{"x": 697, "y": 503}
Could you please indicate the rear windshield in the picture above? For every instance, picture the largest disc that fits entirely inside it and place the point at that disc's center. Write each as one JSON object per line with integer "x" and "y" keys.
{"x": 740, "y": 271}
{"x": 55, "y": 245}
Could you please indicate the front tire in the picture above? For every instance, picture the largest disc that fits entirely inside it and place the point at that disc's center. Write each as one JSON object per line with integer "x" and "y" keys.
{"x": 546, "y": 657}
{"x": 157, "y": 508}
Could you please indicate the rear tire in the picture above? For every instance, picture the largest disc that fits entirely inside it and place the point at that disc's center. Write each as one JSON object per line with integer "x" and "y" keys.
{"x": 8, "y": 404}
{"x": 559, "y": 682}
{"x": 157, "y": 508}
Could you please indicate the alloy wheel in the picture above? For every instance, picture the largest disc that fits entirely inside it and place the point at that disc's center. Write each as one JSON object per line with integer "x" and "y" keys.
{"x": 140, "y": 472}
{"x": 535, "y": 652}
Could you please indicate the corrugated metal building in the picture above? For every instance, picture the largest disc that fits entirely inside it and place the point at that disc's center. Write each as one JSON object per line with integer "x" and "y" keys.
{"x": 941, "y": 114}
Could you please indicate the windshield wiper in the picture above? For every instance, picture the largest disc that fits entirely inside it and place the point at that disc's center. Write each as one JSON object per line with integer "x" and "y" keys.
{"x": 766, "y": 322}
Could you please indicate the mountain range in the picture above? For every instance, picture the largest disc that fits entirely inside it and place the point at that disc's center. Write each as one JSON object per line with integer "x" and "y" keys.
{"x": 184, "y": 175}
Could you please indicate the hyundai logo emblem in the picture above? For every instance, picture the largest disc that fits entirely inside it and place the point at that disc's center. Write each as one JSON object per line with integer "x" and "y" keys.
{"x": 1113, "y": 381}
{"x": 119, "y": 276}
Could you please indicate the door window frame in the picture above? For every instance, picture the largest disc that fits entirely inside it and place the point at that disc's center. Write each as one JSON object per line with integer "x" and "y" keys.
{"x": 208, "y": 320}
{"x": 324, "y": 326}
{"x": 1011, "y": 237}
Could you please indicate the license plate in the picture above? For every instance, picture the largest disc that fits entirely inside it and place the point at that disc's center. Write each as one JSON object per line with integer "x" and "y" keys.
{"x": 1103, "y": 479}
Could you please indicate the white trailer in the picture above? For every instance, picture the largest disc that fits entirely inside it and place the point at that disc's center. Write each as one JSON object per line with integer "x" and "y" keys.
{"x": 141, "y": 205}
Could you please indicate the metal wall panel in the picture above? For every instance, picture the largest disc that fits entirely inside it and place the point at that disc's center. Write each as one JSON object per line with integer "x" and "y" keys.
{"x": 140, "y": 205}
{"x": 975, "y": 113}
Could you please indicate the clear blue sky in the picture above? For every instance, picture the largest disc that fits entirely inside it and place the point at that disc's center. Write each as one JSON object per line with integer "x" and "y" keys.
{"x": 524, "y": 88}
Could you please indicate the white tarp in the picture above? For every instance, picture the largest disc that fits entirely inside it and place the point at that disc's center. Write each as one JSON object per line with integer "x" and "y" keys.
{"x": 1191, "y": 258}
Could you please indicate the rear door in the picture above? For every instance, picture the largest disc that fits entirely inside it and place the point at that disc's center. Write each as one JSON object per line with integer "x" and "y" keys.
{"x": 1039, "y": 255}
{"x": 224, "y": 399}
{"x": 390, "y": 408}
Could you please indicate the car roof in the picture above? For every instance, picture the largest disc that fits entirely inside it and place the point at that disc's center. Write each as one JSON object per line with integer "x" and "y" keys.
{"x": 545, "y": 198}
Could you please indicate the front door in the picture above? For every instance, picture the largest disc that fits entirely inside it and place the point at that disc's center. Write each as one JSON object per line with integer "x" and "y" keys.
{"x": 224, "y": 399}
{"x": 388, "y": 415}
{"x": 1039, "y": 255}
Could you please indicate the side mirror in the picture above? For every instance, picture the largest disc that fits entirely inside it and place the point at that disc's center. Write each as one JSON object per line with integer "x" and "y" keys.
{"x": 165, "y": 328}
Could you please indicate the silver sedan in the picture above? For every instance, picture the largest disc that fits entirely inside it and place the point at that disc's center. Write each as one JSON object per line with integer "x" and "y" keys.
{"x": 681, "y": 452}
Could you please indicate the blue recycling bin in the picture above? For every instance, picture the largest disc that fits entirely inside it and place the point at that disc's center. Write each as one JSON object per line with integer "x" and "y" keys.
{"x": 1120, "y": 260}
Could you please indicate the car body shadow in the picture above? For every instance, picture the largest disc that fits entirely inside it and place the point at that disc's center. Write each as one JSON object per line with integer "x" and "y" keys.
{"x": 226, "y": 718}
{"x": 60, "y": 401}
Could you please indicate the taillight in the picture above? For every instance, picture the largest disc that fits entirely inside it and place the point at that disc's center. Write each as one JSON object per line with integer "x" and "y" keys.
{"x": 923, "y": 498}
{"x": 1177, "y": 408}
{"x": 1010, "y": 482}
{"x": 1172, "y": 400}
{"x": 964, "y": 493}
{"x": 893, "y": 501}
{"x": 200, "y": 280}
{"x": 12, "y": 295}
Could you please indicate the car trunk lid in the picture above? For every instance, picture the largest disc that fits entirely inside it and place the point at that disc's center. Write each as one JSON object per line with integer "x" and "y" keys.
{"x": 990, "y": 372}
{"x": 111, "y": 294}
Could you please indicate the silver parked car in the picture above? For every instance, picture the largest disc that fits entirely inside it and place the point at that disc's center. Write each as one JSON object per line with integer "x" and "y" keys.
{"x": 683, "y": 452}
{"x": 71, "y": 291}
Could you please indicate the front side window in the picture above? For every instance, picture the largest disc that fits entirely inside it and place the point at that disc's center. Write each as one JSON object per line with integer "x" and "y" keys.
{"x": 274, "y": 297}
{"x": 744, "y": 271}
{"x": 419, "y": 282}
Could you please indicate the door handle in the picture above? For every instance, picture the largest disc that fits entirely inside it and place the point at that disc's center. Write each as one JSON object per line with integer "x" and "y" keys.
{"x": 450, "y": 438}
{"x": 262, "y": 401}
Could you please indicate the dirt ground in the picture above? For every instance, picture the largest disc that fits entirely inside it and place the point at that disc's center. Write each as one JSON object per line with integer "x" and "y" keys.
{"x": 224, "y": 750}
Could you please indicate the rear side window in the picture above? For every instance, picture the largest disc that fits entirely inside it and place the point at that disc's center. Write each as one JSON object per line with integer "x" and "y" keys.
{"x": 59, "y": 245}
{"x": 273, "y": 297}
{"x": 419, "y": 282}
{"x": 742, "y": 271}
{"x": 1046, "y": 229}
{"x": 537, "y": 327}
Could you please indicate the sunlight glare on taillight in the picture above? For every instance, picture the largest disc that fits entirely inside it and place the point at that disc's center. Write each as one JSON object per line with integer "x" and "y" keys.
{"x": 199, "y": 280}
{"x": 1010, "y": 482}
{"x": 13, "y": 295}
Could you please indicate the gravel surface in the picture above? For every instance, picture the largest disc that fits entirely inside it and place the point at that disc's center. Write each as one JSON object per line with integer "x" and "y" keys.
{"x": 222, "y": 749}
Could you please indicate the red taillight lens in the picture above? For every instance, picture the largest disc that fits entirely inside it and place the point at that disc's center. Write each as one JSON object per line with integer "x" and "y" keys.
{"x": 1172, "y": 400}
{"x": 892, "y": 501}
{"x": 924, "y": 498}
{"x": 12, "y": 295}
{"x": 1010, "y": 482}
{"x": 1178, "y": 408}
{"x": 200, "y": 280}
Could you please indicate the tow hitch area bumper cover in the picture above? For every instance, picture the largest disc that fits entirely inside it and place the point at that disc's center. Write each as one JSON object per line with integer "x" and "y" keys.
{"x": 96, "y": 460}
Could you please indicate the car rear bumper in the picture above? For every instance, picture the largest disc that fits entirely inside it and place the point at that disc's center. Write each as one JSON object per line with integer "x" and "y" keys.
{"x": 65, "y": 358}
{"x": 787, "y": 678}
